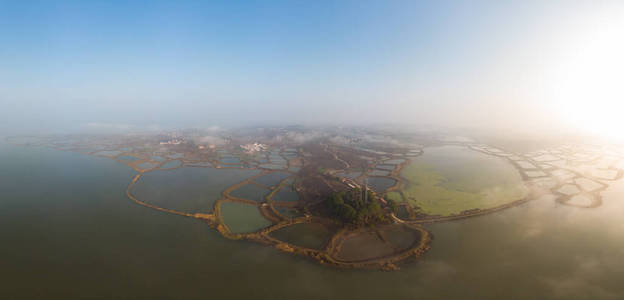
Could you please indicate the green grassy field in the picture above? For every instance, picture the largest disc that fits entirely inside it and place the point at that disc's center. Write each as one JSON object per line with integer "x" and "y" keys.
{"x": 446, "y": 183}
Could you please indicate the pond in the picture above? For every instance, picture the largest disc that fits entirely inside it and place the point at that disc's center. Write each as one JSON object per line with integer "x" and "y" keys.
{"x": 288, "y": 212}
{"x": 396, "y": 161}
{"x": 158, "y": 158}
{"x": 386, "y": 167}
{"x": 250, "y": 191}
{"x": 242, "y": 218}
{"x": 365, "y": 245}
{"x": 400, "y": 237}
{"x": 290, "y": 155}
{"x": 189, "y": 190}
{"x": 230, "y": 160}
{"x": 128, "y": 158}
{"x": 272, "y": 166}
{"x": 378, "y": 173}
{"x": 380, "y": 184}
{"x": 176, "y": 155}
{"x": 350, "y": 175}
{"x": 308, "y": 235}
{"x": 402, "y": 212}
{"x": 198, "y": 164}
{"x": 272, "y": 179}
{"x": 286, "y": 194}
{"x": 171, "y": 164}
{"x": 147, "y": 165}
{"x": 278, "y": 160}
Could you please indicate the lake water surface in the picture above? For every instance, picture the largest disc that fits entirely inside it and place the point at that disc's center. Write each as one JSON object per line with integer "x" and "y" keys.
{"x": 69, "y": 232}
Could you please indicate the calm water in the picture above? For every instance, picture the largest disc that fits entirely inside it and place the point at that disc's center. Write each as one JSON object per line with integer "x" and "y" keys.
{"x": 187, "y": 189}
{"x": 241, "y": 218}
{"x": 68, "y": 231}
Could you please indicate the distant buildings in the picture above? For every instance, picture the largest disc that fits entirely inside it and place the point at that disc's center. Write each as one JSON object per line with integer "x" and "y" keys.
{"x": 203, "y": 147}
{"x": 172, "y": 142}
{"x": 255, "y": 147}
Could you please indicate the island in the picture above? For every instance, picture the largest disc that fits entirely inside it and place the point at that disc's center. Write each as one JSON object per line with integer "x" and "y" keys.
{"x": 348, "y": 198}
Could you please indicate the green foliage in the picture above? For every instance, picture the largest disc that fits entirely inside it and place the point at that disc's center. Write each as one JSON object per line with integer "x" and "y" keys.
{"x": 353, "y": 207}
{"x": 437, "y": 194}
{"x": 393, "y": 206}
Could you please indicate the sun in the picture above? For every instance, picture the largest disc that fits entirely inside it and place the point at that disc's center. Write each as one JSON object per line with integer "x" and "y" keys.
{"x": 589, "y": 87}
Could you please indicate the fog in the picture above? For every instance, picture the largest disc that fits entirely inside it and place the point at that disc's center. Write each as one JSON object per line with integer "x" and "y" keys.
{"x": 527, "y": 67}
{"x": 312, "y": 149}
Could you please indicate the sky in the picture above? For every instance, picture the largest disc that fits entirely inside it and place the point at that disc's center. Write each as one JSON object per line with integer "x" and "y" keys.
{"x": 508, "y": 66}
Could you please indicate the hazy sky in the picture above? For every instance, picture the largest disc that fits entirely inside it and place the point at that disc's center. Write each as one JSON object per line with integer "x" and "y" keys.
{"x": 528, "y": 64}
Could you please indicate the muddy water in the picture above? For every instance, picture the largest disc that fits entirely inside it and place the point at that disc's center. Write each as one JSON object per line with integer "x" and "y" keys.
{"x": 69, "y": 232}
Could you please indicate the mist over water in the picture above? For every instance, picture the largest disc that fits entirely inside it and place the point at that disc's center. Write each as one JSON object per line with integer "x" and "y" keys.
{"x": 506, "y": 85}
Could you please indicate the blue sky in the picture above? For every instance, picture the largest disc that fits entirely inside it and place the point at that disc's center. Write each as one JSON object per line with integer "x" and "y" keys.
{"x": 190, "y": 63}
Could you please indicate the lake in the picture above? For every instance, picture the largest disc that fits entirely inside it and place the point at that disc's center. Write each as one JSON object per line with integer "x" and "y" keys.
{"x": 69, "y": 232}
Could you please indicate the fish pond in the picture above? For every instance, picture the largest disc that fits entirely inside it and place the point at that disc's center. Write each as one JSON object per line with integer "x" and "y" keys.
{"x": 190, "y": 190}
{"x": 242, "y": 218}
{"x": 309, "y": 235}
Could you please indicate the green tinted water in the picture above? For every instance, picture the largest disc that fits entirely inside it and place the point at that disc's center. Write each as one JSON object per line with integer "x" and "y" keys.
{"x": 242, "y": 218}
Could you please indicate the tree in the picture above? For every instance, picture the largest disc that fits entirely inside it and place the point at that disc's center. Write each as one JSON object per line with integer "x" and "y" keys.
{"x": 393, "y": 206}
{"x": 352, "y": 208}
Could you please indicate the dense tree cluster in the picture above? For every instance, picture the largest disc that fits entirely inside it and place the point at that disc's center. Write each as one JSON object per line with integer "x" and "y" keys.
{"x": 393, "y": 206}
{"x": 353, "y": 207}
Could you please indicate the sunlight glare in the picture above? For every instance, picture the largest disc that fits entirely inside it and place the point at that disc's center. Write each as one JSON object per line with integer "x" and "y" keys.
{"x": 589, "y": 90}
